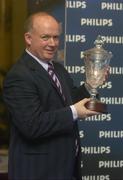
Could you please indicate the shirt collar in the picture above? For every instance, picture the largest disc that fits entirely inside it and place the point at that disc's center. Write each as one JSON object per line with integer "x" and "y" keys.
{"x": 42, "y": 63}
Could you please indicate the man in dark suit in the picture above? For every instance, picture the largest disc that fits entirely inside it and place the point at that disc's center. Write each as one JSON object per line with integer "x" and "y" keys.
{"x": 44, "y": 137}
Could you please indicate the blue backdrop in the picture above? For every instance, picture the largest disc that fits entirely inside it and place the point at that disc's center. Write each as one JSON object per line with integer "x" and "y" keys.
{"x": 101, "y": 135}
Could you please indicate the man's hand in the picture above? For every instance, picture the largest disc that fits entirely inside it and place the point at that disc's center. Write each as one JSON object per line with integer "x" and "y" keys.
{"x": 82, "y": 111}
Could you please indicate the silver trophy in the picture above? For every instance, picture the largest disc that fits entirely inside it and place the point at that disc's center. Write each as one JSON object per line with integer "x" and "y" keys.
{"x": 96, "y": 64}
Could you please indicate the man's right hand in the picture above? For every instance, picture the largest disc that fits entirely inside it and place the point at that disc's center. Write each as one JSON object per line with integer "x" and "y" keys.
{"x": 82, "y": 111}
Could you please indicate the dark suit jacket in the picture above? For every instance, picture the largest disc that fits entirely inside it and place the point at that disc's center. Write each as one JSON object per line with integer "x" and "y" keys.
{"x": 43, "y": 133}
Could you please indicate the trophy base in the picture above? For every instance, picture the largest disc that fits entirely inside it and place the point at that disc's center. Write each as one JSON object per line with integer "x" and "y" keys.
{"x": 95, "y": 105}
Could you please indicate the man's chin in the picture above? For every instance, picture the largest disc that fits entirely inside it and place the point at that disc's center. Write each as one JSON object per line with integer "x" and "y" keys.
{"x": 50, "y": 57}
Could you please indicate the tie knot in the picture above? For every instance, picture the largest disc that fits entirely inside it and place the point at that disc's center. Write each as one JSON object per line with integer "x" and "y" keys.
{"x": 50, "y": 64}
{"x": 50, "y": 67}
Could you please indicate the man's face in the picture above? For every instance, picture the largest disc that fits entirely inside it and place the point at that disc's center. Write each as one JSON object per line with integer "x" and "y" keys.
{"x": 43, "y": 40}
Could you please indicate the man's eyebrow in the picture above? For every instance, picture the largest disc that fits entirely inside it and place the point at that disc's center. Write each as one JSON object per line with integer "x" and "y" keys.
{"x": 49, "y": 36}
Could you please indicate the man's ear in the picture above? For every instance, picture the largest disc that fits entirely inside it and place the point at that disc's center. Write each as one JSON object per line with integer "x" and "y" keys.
{"x": 28, "y": 38}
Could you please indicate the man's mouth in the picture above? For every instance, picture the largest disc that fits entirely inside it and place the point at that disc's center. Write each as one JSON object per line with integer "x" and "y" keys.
{"x": 50, "y": 51}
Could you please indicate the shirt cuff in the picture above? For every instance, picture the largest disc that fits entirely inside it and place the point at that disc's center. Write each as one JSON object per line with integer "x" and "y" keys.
{"x": 74, "y": 112}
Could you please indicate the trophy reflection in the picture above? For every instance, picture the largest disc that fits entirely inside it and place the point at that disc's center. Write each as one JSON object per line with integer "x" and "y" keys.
{"x": 96, "y": 64}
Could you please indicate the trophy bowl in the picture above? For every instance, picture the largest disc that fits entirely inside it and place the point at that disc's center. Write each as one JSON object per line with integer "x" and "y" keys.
{"x": 96, "y": 62}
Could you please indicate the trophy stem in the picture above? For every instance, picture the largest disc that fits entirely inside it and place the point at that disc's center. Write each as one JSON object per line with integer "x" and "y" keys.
{"x": 93, "y": 96}
{"x": 94, "y": 104}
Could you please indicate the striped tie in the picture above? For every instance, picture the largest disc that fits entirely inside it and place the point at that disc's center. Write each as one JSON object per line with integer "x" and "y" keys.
{"x": 55, "y": 79}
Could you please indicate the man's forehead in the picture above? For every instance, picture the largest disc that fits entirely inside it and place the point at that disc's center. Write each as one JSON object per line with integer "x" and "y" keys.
{"x": 45, "y": 18}
{"x": 47, "y": 27}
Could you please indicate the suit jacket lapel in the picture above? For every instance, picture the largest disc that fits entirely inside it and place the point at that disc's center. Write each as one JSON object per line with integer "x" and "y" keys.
{"x": 35, "y": 66}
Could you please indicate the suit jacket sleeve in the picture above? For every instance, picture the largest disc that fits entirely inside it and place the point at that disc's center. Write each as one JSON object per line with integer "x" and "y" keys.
{"x": 27, "y": 109}
{"x": 32, "y": 109}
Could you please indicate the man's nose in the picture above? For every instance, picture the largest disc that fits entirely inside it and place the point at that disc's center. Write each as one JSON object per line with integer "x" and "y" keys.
{"x": 52, "y": 41}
